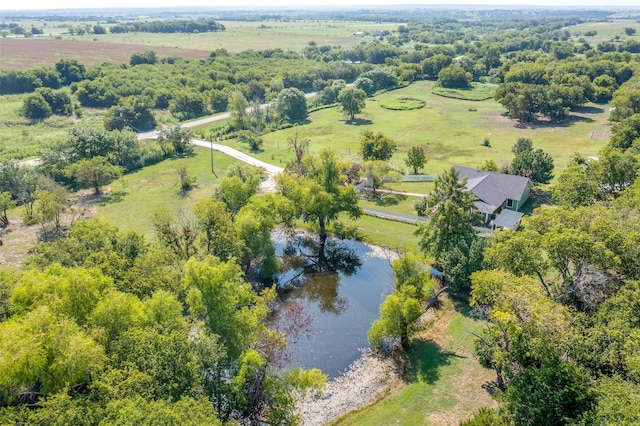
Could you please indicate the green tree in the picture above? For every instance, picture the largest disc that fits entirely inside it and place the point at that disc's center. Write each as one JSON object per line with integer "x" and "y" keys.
{"x": 400, "y": 310}
{"x": 166, "y": 356}
{"x": 451, "y": 212}
{"x": 352, "y": 101}
{"x": 48, "y": 208}
{"x": 238, "y": 106}
{"x": 6, "y": 203}
{"x": 416, "y": 158}
{"x": 615, "y": 169}
{"x": 521, "y": 100}
{"x": 229, "y": 306}
{"x": 36, "y": 107}
{"x": 135, "y": 112}
{"x": 252, "y": 139}
{"x": 522, "y": 145}
{"x": 187, "y": 104}
{"x": 365, "y": 84}
{"x": 46, "y": 353}
{"x": 216, "y": 236}
{"x": 454, "y": 76}
{"x": 68, "y": 292}
{"x": 329, "y": 95}
{"x": 146, "y": 57}
{"x": 179, "y": 138}
{"x": 490, "y": 166}
{"x": 237, "y": 188}
{"x": 398, "y": 314}
{"x": 95, "y": 172}
{"x": 320, "y": 196}
{"x": 553, "y": 394}
{"x": 377, "y": 173}
{"x": 58, "y": 100}
{"x": 626, "y": 132}
{"x": 376, "y": 146}
{"x": 575, "y": 187}
{"x": 291, "y": 104}
{"x": 536, "y": 164}
{"x": 70, "y": 71}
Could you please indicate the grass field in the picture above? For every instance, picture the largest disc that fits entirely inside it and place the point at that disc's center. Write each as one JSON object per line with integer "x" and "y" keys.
{"x": 451, "y": 131}
{"x": 239, "y": 36}
{"x": 443, "y": 381}
{"x": 606, "y": 31}
{"x": 133, "y": 200}
{"x": 20, "y": 138}
{"x": 477, "y": 92}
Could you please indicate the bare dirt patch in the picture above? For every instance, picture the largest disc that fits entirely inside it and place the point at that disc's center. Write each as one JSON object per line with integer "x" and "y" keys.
{"x": 18, "y": 239}
{"x": 28, "y": 53}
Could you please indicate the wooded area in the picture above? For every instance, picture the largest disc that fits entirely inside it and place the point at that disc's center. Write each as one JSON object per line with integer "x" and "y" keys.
{"x": 105, "y": 326}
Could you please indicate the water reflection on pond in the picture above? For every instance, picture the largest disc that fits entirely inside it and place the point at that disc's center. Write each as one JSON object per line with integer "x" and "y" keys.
{"x": 342, "y": 295}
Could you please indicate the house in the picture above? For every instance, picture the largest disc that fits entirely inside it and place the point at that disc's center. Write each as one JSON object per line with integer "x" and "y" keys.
{"x": 499, "y": 196}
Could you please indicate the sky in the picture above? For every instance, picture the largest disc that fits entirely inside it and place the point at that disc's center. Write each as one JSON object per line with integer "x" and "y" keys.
{"x": 65, "y": 4}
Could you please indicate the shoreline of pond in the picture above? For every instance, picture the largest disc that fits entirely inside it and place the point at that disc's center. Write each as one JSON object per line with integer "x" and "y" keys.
{"x": 365, "y": 380}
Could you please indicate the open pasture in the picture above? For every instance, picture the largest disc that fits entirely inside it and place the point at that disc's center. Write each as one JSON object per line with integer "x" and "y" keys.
{"x": 606, "y": 31}
{"x": 240, "y": 36}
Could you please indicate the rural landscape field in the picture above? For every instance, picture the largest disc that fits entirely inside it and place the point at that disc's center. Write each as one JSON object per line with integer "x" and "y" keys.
{"x": 206, "y": 213}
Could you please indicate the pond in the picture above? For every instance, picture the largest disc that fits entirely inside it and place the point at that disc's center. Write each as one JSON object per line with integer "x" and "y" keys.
{"x": 341, "y": 299}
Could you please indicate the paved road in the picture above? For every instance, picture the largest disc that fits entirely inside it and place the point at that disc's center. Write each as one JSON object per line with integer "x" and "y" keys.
{"x": 210, "y": 119}
{"x": 268, "y": 185}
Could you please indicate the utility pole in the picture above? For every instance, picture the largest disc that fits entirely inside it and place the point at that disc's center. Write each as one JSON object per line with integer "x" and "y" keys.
{"x": 211, "y": 141}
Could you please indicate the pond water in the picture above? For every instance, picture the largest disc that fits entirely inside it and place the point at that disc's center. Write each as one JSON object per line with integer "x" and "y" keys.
{"x": 341, "y": 300}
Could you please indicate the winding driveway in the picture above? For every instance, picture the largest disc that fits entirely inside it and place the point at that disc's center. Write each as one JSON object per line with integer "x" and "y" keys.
{"x": 268, "y": 185}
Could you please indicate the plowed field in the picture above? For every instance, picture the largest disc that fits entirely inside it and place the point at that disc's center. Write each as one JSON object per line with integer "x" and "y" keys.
{"x": 28, "y": 53}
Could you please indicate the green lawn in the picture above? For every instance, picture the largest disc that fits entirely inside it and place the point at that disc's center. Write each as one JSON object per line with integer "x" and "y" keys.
{"x": 130, "y": 206}
{"x": 451, "y": 130}
{"x": 386, "y": 233}
{"x": 392, "y": 202}
{"x": 443, "y": 379}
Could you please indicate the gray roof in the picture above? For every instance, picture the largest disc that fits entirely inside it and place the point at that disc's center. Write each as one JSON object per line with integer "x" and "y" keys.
{"x": 492, "y": 189}
{"x": 508, "y": 219}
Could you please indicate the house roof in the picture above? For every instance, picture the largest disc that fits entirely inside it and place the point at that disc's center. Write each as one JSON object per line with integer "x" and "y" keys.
{"x": 508, "y": 219}
{"x": 492, "y": 189}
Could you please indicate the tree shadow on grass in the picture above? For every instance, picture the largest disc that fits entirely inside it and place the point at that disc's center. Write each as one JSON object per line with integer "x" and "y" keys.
{"x": 112, "y": 198}
{"x": 426, "y": 359}
{"x": 386, "y": 200}
{"x": 542, "y": 123}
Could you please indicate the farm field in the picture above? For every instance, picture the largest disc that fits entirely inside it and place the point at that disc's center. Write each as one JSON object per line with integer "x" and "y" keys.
{"x": 36, "y": 52}
{"x": 94, "y": 49}
{"x": 451, "y": 130}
